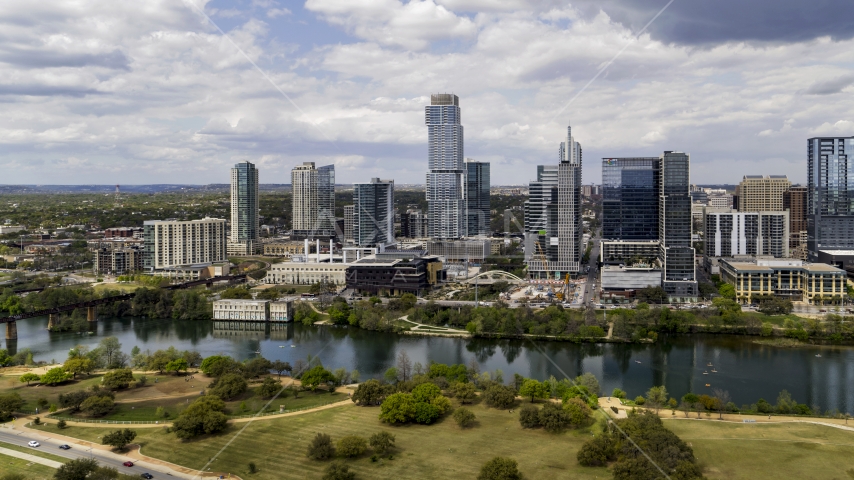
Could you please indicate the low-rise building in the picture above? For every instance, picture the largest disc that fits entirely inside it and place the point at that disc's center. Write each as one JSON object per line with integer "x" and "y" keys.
{"x": 124, "y": 232}
{"x": 618, "y": 278}
{"x": 467, "y": 250}
{"x": 282, "y": 310}
{"x": 394, "y": 273}
{"x": 247, "y": 310}
{"x": 730, "y": 233}
{"x": 287, "y": 249}
{"x": 6, "y": 229}
{"x": 191, "y": 273}
{"x": 786, "y": 278}
{"x": 616, "y": 252}
{"x": 307, "y": 273}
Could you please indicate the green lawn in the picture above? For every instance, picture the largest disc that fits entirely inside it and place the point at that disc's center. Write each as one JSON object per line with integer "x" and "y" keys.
{"x": 442, "y": 450}
{"x": 306, "y": 399}
{"x": 749, "y": 451}
{"x": 38, "y": 452}
{"x": 33, "y": 471}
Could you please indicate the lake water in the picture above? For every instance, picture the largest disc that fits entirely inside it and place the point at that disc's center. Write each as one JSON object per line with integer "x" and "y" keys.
{"x": 747, "y": 370}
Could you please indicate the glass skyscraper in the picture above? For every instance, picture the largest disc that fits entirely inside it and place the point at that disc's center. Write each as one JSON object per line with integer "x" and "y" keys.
{"x": 373, "y": 216}
{"x": 477, "y": 198}
{"x": 676, "y": 253}
{"x": 630, "y": 198}
{"x": 445, "y": 202}
{"x": 830, "y": 195}
{"x": 245, "y": 228}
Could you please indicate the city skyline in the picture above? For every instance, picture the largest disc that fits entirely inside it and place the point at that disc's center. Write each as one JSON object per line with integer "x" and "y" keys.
{"x": 145, "y": 99}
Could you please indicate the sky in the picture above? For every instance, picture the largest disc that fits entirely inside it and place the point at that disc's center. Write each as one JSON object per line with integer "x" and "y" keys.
{"x": 177, "y": 91}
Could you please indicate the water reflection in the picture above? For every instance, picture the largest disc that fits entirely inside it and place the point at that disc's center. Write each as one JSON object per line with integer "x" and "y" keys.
{"x": 747, "y": 370}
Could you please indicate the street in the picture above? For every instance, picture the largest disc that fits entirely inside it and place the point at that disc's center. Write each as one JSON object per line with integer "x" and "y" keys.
{"x": 108, "y": 459}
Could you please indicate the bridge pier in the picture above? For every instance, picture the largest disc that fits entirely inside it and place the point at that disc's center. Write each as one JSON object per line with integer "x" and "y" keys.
{"x": 52, "y": 321}
{"x": 11, "y": 331}
{"x": 92, "y": 314}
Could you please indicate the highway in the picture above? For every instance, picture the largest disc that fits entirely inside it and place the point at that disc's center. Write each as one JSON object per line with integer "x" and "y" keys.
{"x": 108, "y": 459}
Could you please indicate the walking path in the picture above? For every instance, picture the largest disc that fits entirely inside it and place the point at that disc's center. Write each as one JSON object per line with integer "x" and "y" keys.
{"x": 30, "y": 458}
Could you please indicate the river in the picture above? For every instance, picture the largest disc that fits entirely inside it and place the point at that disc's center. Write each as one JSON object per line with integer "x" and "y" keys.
{"x": 746, "y": 370}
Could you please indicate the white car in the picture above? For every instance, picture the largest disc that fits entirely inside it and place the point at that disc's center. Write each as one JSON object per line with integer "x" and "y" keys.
{"x": 34, "y": 443}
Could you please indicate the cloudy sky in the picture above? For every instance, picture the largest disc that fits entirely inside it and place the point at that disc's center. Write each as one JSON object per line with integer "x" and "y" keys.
{"x": 176, "y": 91}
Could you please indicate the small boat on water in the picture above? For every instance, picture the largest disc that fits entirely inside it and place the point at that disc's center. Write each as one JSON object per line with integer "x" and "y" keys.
{"x": 258, "y": 352}
{"x": 818, "y": 355}
{"x": 293, "y": 346}
{"x": 705, "y": 373}
{"x": 714, "y": 371}
{"x": 708, "y": 384}
{"x": 281, "y": 346}
{"x": 637, "y": 361}
{"x": 709, "y": 364}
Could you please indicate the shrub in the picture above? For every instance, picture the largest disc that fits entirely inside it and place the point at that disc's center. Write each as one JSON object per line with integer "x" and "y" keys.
{"x": 204, "y": 416}
{"x": 252, "y": 467}
{"x": 499, "y": 396}
{"x": 119, "y": 439}
{"x": 639, "y": 400}
{"x": 443, "y": 404}
{"x": 61, "y": 424}
{"x": 553, "y": 418}
{"x": 321, "y": 447}
{"x": 352, "y": 446}
{"x": 426, "y": 413}
{"x": 529, "y": 416}
{"x": 500, "y": 468}
{"x": 464, "y": 417}
{"x": 382, "y": 441}
{"x": 465, "y": 392}
{"x": 228, "y": 386}
{"x": 37, "y": 421}
{"x": 426, "y": 392}
{"x": 577, "y": 411}
{"x": 338, "y": 471}
{"x": 398, "y": 408}
{"x": 115, "y": 379}
{"x": 97, "y": 406}
{"x": 617, "y": 393}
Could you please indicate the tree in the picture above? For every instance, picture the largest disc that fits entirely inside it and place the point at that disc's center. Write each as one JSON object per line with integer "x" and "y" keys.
{"x": 316, "y": 376}
{"x": 228, "y": 386}
{"x": 529, "y": 416}
{"x": 577, "y": 411}
{"x": 256, "y": 367}
{"x": 116, "y": 379}
{"x": 464, "y": 391}
{"x": 321, "y": 447}
{"x": 534, "y": 389}
{"x": 655, "y": 295}
{"x": 279, "y": 366}
{"x": 596, "y": 452}
{"x": 657, "y": 397}
{"x": 78, "y": 469}
{"x": 177, "y": 365}
{"x": 269, "y": 387}
{"x": 97, "y": 406}
{"x": 552, "y": 417}
{"x": 9, "y": 404}
{"x": 398, "y": 408}
{"x": 110, "y": 348}
{"x": 617, "y": 393}
{"x": 426, "y": 413}
{"x": 426, "y": 392}
{"x": 204, "y": 416}
{"x": 236, "y": 293}
{"x": 404, "y": 366}
{"x": 382, "y": 441}
{"x": 722, "y": 399}
{"x": 338, "y": 471}
{"x": 371, "y": 392}
{"x": 500, "y": 468}
{"x": 55, "y": 376}
{"x": 391, "y": 375}
{"x": 79, "y": 365}
{"x": 442, "y": 403}
{"x": 352, "y": 446}
{"x": 727, "y": 291}
{"x": 216, "y": 365}
{"x": 28, "y": 377}
{"x": 499, "y": 396}
{"x": 119, "y": 439}
{"x": 464, "y": 417}
{"x": 589, "y": 381}
{"x": 74, "y": 399}
{"x": 61, "y": 424}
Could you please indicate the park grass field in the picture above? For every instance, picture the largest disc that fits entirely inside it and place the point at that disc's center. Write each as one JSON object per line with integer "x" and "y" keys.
{"x": 442, "y": 450}
{"x": 34, "y": 471}
{"x": 786, "y": 450}
{"x": 120, "y": 287}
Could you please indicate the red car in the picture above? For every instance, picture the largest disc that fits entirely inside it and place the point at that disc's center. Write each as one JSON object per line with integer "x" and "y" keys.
{"x": 128, "y": 464}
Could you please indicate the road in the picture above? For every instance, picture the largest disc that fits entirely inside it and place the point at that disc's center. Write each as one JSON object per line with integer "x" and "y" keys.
{"x": 108, "y": 459}
{"x": 593, "y": 275}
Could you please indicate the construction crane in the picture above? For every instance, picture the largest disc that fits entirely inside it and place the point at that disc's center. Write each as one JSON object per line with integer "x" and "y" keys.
{"x": 563, "y": 294}
{"x": 542, "y": 257}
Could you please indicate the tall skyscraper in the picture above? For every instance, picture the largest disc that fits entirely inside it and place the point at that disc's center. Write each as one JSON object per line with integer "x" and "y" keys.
{"x": 445, "y": 203}
{"x": 477, "y": 198}
{"x": 630, "y": 198}
{"x": 313, "y": 202}
{"x": 795, "y": 202}
{"x": 349, "y": 220}
{"x": 758, "y": 193}
{"x": 830, "y": 200}
{"x": 245, "y": 227}
{"x": 373, "y": 219}
{"x": 676, "y": 253}
{"x": 553, "y": 238}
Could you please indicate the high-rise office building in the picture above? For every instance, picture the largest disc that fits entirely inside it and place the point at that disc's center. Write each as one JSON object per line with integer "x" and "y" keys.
{"x": 758, "y": 193}
{"x": 676, "y": 253}
{"x": 830, "y": 200}
{"x": 729, "y": 233}
{"x": 313, "y": 202}
{"x": 413, "y": 224}
{"x": 795, "y": 202}
{"x": 245, "y": 226}
{"x": 630, "y": 198}
{"x": 553, "y": 237}
{"x": 445, "y": 202}
{"x": 477, "y": 198}
{"x": 373, "y": 218}
{"x": 349, "y": 219}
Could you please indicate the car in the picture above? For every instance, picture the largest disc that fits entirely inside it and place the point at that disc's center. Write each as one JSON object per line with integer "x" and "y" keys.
{"x": 65, "y": 447}
{"x": 34, "y": 443}
{"x": 128, "y": 463}
{"x": 147, "y": 475}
